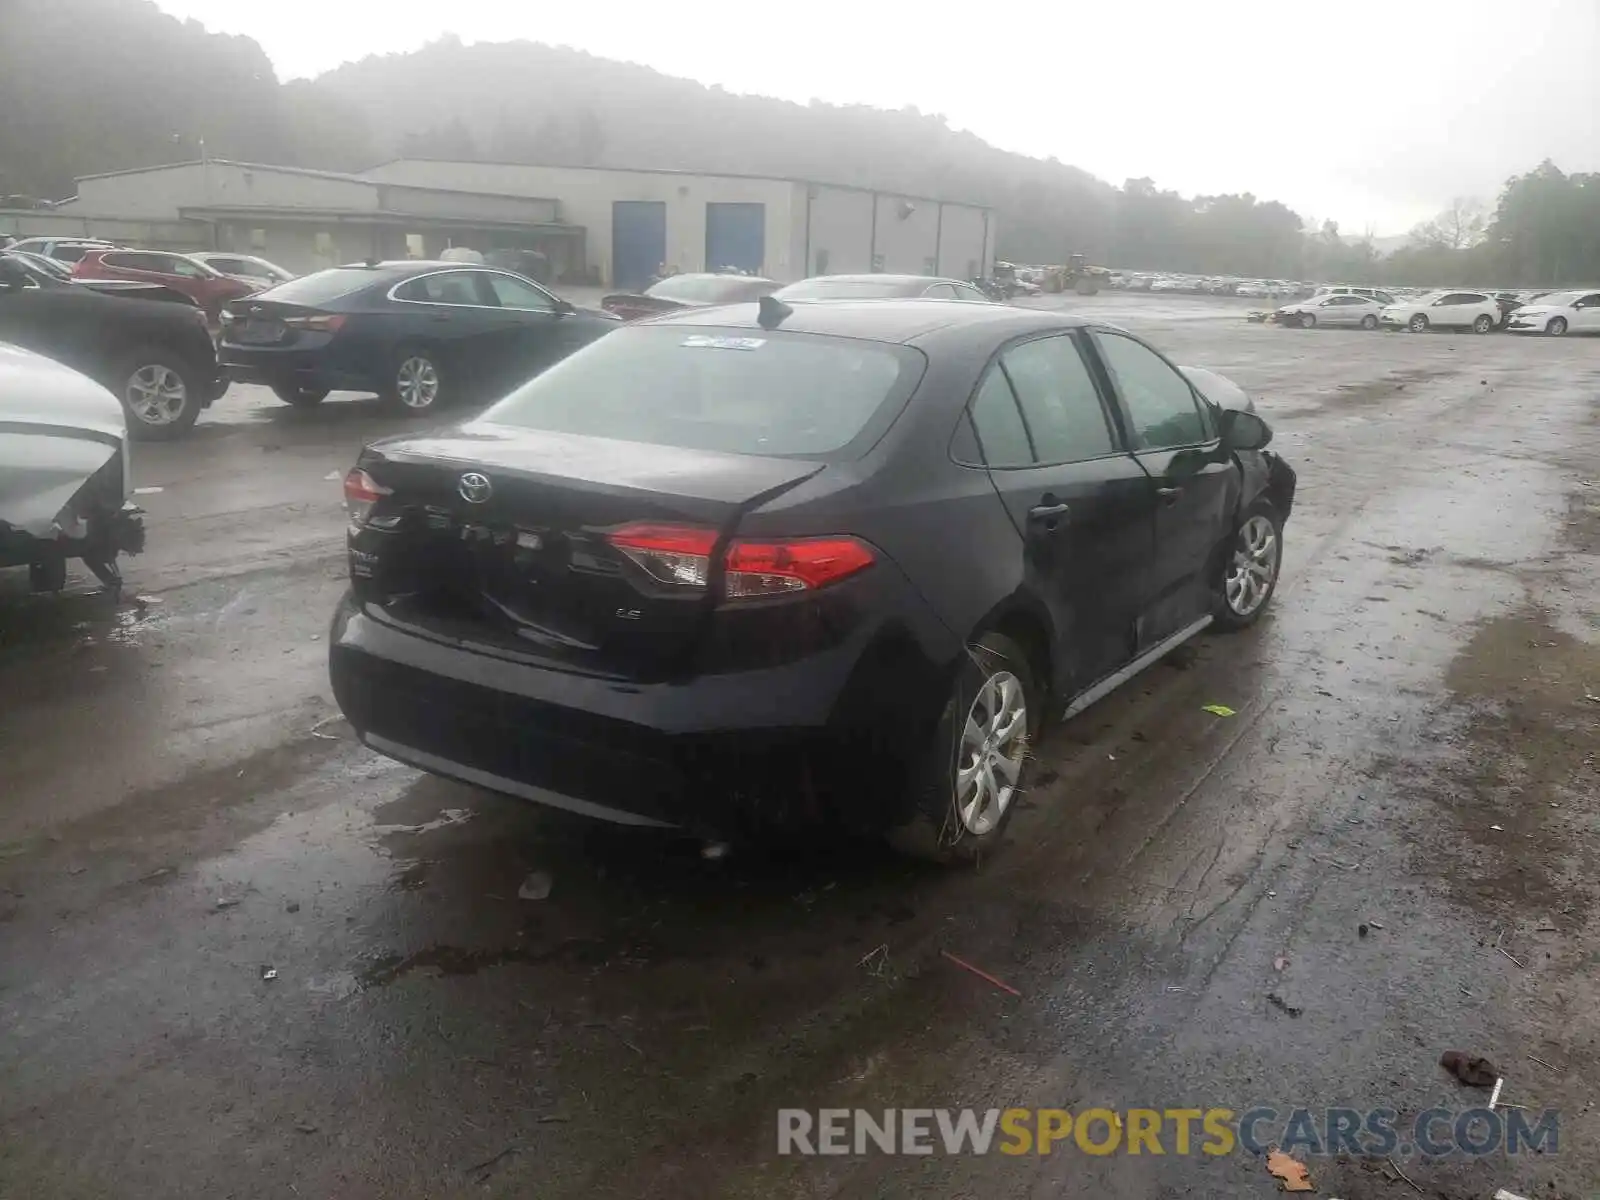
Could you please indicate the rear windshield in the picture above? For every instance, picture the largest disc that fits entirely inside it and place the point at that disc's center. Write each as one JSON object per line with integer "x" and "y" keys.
{"x": 843, "y": 289}
{"x": 320, "y": 287}
{"x": 740, "y": 391}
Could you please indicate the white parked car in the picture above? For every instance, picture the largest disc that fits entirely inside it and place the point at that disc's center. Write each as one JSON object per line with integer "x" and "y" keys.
{"x": 64, "y": 483}
{"x": 1557, "y": 313}
{"x": 246, "y": 268}
{"x": 1443, "y": 310}
{"x": 1341, "y": 309}
{"x": 1371, "y": 293}
{"x": 1167, "y": 284}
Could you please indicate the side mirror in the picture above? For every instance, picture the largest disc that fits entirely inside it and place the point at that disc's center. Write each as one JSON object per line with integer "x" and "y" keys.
{"x": 1244, "y": 431}
{"x": 564, "y": 308}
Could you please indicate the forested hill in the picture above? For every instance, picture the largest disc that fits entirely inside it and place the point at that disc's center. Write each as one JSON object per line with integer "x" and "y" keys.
{"x": 147, "y": 88}
{"x": 88, "y": 86}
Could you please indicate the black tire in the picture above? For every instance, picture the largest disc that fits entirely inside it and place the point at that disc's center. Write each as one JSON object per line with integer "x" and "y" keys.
{"x": 410, "y": 364}
{"x": 143, "y": 379}
{"x": 1225, "y": 614}
{"x": 1418, "y": 324}
{"x": 298, "y": 396}
{"x": 1369, "y": 322}
{"x": 935, "y": 831}
{"x": 1557, "y": 326}
{"x": 1308, "y": 321}
{"x": 1484, "y": 324}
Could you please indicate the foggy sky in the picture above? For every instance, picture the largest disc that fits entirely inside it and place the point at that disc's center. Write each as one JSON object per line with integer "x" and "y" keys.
{"x": 1373, "y": 114}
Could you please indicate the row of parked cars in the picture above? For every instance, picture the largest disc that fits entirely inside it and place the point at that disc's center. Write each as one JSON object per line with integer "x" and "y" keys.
{"x": 1200, "y": 285}
{"x": 1552, "y": 314}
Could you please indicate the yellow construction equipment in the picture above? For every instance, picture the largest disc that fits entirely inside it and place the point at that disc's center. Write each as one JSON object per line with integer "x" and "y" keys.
{"x": 1077, "y": 276}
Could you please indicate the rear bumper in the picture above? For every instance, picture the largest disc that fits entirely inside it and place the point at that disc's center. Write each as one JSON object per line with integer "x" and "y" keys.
{"x": 826, "y": 738}
{"x": 301, "y": 369}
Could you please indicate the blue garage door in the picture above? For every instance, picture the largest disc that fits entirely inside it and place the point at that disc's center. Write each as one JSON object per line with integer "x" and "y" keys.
{"x": 736, "y": 236}
{"x": 638, "y": 241}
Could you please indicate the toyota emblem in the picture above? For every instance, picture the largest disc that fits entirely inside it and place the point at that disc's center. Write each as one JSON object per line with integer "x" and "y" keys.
{"x": 475, "y": 488}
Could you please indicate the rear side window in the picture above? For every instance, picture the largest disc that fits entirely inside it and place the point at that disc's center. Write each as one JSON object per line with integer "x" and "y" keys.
{"x": 739, "y": 391}
{"x": 1002, "y": 437}
{"x": 1060, "y": 404}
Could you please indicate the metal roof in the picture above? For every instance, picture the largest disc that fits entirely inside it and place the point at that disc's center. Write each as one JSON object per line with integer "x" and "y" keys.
{"x": 681, "y": 173}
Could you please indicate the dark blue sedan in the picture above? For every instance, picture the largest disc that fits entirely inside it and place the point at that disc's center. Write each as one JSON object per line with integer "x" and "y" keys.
{"x": 420, "y": 334}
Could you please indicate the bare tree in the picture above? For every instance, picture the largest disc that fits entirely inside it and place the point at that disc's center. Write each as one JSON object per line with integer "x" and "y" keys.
{"x": 1459, "y": 227}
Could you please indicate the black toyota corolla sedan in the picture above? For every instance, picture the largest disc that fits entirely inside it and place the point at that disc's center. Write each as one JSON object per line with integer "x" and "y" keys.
{"x": 736, "y": 568}
{"x": 419, "y": 334}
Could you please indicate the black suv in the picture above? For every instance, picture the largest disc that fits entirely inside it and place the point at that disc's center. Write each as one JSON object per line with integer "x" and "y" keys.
{"x": 157, "y": 358}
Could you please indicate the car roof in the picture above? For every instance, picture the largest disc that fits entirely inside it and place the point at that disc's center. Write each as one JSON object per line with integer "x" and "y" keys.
{"x": 407, "y": 266}
{"x": 900, "y": 320}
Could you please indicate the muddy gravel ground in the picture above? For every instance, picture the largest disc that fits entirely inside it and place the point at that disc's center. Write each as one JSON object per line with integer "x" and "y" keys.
{"x": 241, "y": 956}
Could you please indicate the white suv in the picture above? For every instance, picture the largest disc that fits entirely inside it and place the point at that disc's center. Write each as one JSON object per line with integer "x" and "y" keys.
{"x": 1443, "y": 310}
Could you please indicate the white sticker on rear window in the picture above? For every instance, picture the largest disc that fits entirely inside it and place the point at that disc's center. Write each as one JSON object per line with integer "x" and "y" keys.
{"x": 703, "y": 341}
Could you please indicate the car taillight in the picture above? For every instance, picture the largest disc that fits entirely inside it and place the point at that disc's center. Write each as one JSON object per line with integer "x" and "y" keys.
{"x": 773, "y": 568}
{"x": 676, "y": 554}
{"x": 681, "y": 555}
{"x": 361, "y": 492}
{"x": 321, "y": 323}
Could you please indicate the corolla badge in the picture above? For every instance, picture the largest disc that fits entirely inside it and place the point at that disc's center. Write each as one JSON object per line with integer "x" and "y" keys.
{"x": 475, "y": 488}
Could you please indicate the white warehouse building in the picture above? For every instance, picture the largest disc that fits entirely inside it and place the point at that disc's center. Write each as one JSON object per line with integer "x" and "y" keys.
{"x": 787, "y": 229}
{"x": 601, "y": 226}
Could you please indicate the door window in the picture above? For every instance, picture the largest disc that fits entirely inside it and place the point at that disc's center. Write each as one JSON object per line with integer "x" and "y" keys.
{"x": 1160, "y": 401}
{"x": 1060, "y": 405}
{"x": 173, "y": 265}
{"x": 1002, "y": 437}
{"x": 941, "y": 291}
{"x": 442, "y": 287}
{"x": 1590, "y": 301}
{"x": 966, "y": 291}
{"x": 511, "y": 292}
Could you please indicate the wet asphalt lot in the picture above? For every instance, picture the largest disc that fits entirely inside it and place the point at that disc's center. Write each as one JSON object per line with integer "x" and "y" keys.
{"x": 1178, "y": 907}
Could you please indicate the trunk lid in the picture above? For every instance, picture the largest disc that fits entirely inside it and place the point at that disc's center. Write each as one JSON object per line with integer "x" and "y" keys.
{"x": 260, "y": 322}
{"x": 524, "y": 565}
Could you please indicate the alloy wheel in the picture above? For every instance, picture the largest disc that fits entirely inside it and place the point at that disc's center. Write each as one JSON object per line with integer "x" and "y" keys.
{"x": 156, "y": 394}
{"x": 993, "y": 743}
{"x": 417, "y": 382}
{"x": 1253, "y": 568}
{"x": 1557, "y": 327}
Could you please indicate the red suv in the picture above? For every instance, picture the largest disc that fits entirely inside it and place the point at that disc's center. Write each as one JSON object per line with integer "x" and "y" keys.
{"x": 207, "y": 288}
